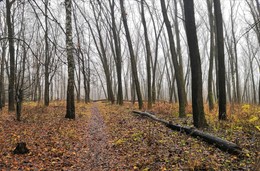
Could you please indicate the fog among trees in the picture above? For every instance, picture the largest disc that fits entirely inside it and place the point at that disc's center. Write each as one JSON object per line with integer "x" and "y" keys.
{"x": 139, "y": 51}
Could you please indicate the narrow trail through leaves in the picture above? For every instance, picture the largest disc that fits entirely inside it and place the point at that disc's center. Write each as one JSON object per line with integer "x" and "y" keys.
{"x": 97, "y": 141}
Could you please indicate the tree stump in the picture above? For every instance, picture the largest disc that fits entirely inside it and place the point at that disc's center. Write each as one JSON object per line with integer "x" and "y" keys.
{"x": 21, "y": 148}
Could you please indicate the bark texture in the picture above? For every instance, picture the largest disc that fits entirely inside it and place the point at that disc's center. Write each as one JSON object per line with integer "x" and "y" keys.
{"x": 197, "y": 98}
{"x": 221, "y": 61}
{"x": 10, "y": 30}
{"x": 70, "y": 108}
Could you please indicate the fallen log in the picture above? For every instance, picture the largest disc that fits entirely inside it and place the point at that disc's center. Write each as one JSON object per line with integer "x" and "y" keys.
{"x": 222, "y": 144}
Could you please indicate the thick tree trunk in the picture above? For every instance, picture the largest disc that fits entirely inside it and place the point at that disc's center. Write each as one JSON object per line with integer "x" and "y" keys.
{"x": 70, "y": 106}
{"x": 197, "y": 99}
{"x": 12, "y": 56}
{"x": 221, "y": 61}
{"x": 148, "y": 56}
{"x": 179, "y": 76}
{"x": 132, "y": 57}
{"x": 209, "y": 138}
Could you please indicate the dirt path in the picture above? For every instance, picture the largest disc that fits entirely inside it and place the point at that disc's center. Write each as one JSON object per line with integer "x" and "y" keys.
{"x": 97, "y": 140}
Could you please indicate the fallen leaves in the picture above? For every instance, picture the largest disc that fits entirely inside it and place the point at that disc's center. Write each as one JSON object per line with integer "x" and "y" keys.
{"x": 54, "y": 142}
{"x": 131, "y": 142}
{"x": 146, "y": 145}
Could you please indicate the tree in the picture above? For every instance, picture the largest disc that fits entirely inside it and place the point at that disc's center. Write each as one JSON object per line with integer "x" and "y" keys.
{"x": 132, "y": 56}
{"x": 197, "y": 99}
{"x": 10, "y": 31}
{"x": 2, "y": 75}
{"x": 47, "y": 58}
{"x": 117, "y": 55}
{"x": 148, "y": 56}
{"x": 179, "y": 75}
{"x": 221, "y": 61}
{"x": 102, "y": 50}
{"x": 212, "y": 53}
{"x": 70, "y": 106}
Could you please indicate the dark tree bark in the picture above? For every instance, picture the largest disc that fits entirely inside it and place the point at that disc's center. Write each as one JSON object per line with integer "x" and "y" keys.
{"x": 70, "y": 106}
{"x": 47, "y": 59}
{"x": 118, "y": 57}
{"x": 148, "y": 56}
{"x": 132, "y": 56}
{"x": 197, "y": 98}
{"x": 212, "y": 53}
{"x": 2, "y": 76}
{"x": 9, "y": 23}
{"x": 209, "y": 138}
{"x": 221, "y": 61}
{"x": 179, "y": 76}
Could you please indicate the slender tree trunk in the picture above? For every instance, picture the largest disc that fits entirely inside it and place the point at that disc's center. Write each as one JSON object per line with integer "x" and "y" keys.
{"x": 47, "y": 59}
{"x": 252, "y": 70}
{"x": 238, "y": 98}
{"x": 221, "y": 61}
{"x": 118, "y": 57}
{"x": 211, "y": 58}
{"x": 2, "y": 76}
{"x": 132, "y": 57}
{"x": 197, "y": 98}
{"x": 179, "y": 76}
{"x": 10, "y": 30}
{"x": 79, "y": 60}
{"x": 70, "y": 108}
{"x": 178, "y": 45}
{"x": 148, "y": 56}
{"x": 103, "y": 55}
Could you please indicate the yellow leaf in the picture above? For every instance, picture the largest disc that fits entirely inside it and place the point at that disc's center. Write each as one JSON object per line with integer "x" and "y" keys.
{"x": 257, "y": 127}
{"x": 119, "y": 141}
{"x": 253, "y": 119}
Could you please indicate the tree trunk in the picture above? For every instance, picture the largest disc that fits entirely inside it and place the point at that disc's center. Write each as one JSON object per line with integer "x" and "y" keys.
{"x": 2, "y": 76}
{"x": 47, "y": 59}
{"x": 103, "y": 55}
{"x": 197, "y": 98}
{"x": 221, "y": 61}
{"x": 179, "y": 76}
{"x": 211, "y": 58}
{"x": 132, "y": 57}
{"x": 70, "y": 106}
{"x": 178, "y": 45}
{"x": 209, "y": 138}
{"x": 118, "y": 57}
{"x": 12, "y": 56}
{"x": 148, "y": 56}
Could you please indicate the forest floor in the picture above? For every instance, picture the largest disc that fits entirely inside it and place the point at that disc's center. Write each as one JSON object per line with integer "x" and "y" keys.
{"x": 110, "y": 137}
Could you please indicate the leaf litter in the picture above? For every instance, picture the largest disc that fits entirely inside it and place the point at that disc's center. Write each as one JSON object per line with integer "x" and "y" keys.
{"x": 110, "y": 137}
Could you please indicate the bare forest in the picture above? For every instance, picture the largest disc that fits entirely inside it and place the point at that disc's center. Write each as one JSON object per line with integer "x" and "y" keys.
{"x": 129, "y": 85}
